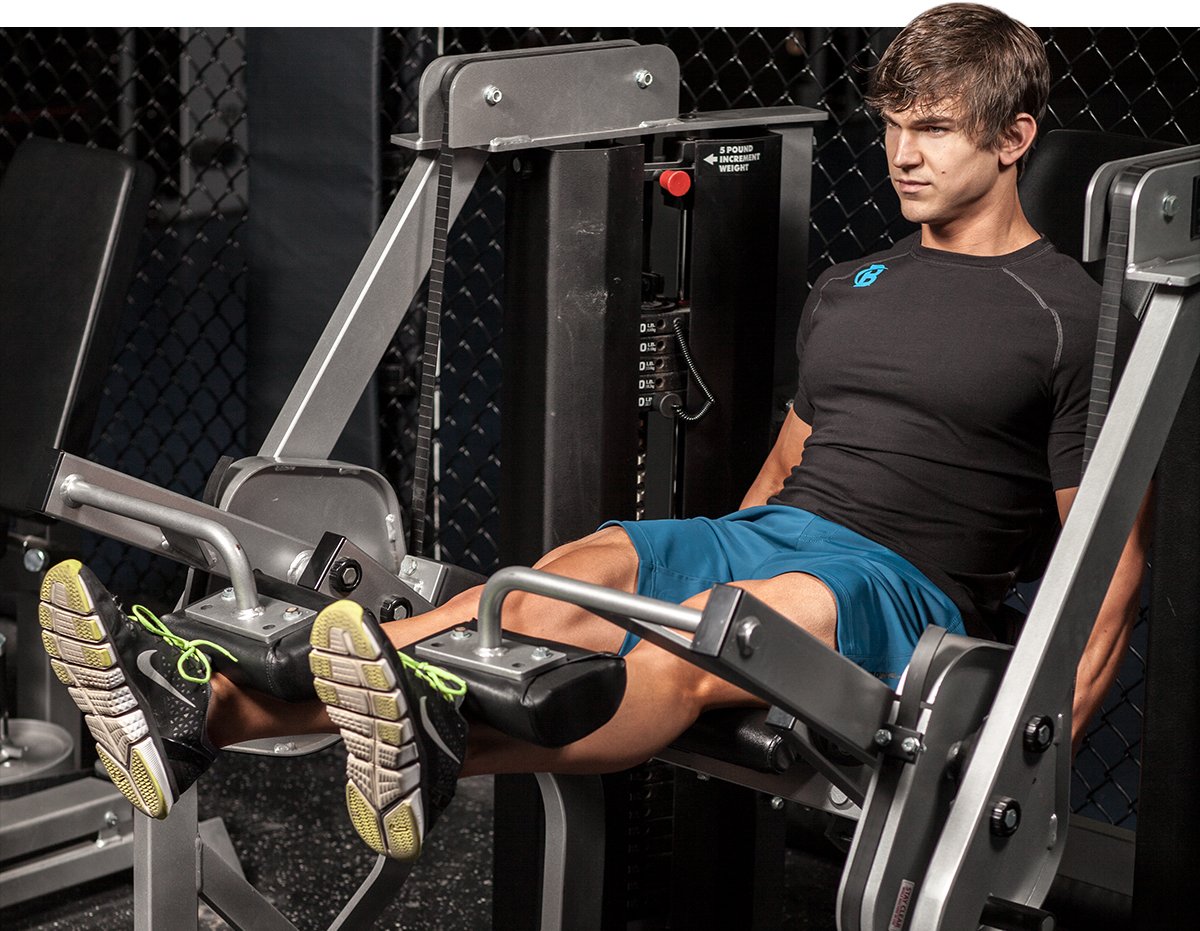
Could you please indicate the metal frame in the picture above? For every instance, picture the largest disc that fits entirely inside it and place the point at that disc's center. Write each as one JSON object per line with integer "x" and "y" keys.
{"x": 375, "y": 302}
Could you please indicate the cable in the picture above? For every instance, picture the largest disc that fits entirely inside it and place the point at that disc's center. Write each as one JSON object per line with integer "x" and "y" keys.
{"x": 709, "y": 400}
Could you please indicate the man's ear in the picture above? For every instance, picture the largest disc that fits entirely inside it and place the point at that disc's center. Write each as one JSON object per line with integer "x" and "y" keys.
{"x": 1017, "y": 139}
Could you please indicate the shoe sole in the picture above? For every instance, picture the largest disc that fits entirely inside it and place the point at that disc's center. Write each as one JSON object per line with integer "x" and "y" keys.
{"x": 85, "y": 659}
{"x": 362, "y": 694}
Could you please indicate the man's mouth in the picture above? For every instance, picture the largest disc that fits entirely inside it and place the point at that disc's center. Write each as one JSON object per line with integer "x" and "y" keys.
{"x": 908, "y": 186}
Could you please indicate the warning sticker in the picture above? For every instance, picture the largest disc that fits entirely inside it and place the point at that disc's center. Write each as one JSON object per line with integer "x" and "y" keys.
{"x": 735, "y": 158}
{"x": 903, "y": 901}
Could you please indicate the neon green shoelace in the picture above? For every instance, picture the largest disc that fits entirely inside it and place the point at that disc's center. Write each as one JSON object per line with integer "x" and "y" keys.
{"x": 189, "y": 650}
{"x": 446, "y": 683}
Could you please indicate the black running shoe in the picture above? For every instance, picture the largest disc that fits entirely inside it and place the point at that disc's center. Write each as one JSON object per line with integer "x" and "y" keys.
{"x": 401, "y": 724}
{"x": 143, "y": 691}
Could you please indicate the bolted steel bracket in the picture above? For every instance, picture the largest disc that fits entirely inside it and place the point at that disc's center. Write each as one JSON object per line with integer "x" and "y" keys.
{"x": 899, "y": 743}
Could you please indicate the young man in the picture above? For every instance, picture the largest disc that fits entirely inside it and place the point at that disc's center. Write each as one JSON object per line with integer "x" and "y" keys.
{"x": 940, "y": 412}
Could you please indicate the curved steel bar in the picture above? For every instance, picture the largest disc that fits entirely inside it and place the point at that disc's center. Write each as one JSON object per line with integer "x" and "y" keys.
{"x": 76, "y": 493}
{"x": 585, "y": 594}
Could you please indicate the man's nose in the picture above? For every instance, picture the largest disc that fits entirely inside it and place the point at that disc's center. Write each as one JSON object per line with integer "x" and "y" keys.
{"x": 907, "y": 153}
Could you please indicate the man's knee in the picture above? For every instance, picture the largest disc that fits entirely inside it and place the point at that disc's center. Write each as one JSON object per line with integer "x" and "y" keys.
{"x": 606, "y": 557}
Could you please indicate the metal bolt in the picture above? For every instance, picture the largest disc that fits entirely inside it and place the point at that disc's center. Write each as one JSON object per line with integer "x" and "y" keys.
{"x": 748, "y": 637}
{"x": 291, "y": 611}
{"x": 644, "y": 79}
{"x": 493, "y": 95}
{"x": 35, "y": 559}
{"x": 345, "y": 575}
{"x": 540, "y": 653}
{"x": 460, "y": 633}
{"x": 776, "y": 802}
{"x": 910, "y": 745}
{"x": 1039, "y": 734}
{"x": 1005, "y": 817}
{"x": 110, "y": 819}
{"x": 1170, "y": 206}
{"x": 227, "y": 594}
{"x": 883, "y": 737}
{"x": 285, "y": 747}
{"x": 408, "y": 565}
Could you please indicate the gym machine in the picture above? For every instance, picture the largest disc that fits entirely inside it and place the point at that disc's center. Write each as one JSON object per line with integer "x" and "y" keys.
{"x": 995, "y": 721}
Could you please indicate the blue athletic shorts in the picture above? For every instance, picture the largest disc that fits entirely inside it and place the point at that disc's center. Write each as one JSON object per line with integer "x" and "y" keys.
{"x": 883, "y": 601}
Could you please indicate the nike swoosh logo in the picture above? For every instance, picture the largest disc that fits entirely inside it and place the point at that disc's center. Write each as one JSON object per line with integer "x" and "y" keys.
{"x": 143, "y": 663}
{"x": 432, "y": 733}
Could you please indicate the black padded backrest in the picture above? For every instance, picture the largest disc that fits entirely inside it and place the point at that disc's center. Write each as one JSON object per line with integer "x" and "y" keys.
{"x": 1054, "y": 186}
{"x": 70, "y": 220}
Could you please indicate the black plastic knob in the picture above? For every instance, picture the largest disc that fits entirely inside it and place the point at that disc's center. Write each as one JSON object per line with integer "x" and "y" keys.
{"x": 1005, "y": 817}
{"x": 345, "y": 575}
{"x": 1039, "y": 733}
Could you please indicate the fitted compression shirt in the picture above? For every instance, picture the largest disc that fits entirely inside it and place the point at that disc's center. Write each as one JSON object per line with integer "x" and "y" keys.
{"x": 947, "y": 396}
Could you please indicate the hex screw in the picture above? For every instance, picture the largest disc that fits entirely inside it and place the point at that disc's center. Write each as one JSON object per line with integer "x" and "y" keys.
{"x": 493, "y": 95}
{"x": 748, "y": 637}
{"x": 540, "y": 653}
{"x": 345, "y": 575}
{"x": 777, "y": 803}
{"x": 227, "y": 594}
{"x": 883, "y": 737}
{"x": 1170, "y": 206}
{"x": 1005, "y": 817}
{"x": 910, "y": 745}
{"x": 460, "y": 633}
{"x": 644, "y": 78}
{"x": 35, "y": 559}
{"x": 1039, "y": 734}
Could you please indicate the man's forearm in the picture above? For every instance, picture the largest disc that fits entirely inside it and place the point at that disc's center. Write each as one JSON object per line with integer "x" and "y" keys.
{"x": 1110, "y": 635}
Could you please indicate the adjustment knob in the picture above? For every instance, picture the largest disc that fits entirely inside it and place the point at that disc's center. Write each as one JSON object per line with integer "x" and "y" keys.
{"x": 345, "y": 575}
{"x": 1039, "y": 733}
{"x": 1005, "y": 817}
{"x": 675, "y": 182}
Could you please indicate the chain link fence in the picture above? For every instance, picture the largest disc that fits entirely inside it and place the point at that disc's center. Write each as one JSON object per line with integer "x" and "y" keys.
{"x": 174, "y": 401}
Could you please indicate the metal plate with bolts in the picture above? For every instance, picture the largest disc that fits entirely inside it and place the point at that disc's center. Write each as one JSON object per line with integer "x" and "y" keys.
{"x": 277, "y": 617}
{"x": 458, "y": 649}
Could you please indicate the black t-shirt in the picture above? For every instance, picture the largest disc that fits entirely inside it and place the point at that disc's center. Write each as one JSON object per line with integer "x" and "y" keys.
{"x": 948, "y": 398}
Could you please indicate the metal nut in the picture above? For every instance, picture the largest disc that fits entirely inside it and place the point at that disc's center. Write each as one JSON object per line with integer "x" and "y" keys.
{"x": 35, "y": 559}
{"x": 644, "y": 79}
{"x": 493, "y": 95}
{"x": 776, "y": 802}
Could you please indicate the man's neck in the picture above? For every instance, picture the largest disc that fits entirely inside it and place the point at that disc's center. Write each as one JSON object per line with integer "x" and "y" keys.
{"x": 996, "y": 229}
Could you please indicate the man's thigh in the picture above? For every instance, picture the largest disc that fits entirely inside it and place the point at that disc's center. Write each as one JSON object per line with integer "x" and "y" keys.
{"x": 803, "y": 599}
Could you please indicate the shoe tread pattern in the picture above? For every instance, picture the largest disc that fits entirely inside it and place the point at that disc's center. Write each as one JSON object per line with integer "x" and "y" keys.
{"x": 383, "y": 768}
{"x": 84, "y": 658}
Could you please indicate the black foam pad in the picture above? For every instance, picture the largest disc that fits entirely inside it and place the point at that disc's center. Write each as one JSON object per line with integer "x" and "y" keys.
{"x": 70, "y": 220}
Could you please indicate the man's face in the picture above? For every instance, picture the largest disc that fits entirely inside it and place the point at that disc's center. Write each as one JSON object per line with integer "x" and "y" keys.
{"x": 940, "y": 173}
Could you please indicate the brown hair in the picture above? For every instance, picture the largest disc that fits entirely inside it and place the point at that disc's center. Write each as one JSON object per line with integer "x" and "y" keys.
{"x": 993, "y": 66}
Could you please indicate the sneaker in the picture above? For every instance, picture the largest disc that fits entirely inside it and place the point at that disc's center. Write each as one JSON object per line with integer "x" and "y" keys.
{"x": 401, "y": 724}
{"x": 143, "y": 691}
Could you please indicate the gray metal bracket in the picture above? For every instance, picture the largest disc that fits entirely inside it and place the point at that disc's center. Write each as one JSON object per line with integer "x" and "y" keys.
{"x": 1127, "y": 451}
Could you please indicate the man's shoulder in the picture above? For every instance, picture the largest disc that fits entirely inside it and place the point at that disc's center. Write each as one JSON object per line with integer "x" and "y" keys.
{"x": 1060, "y": 281}
{"x": 869, "y": 265}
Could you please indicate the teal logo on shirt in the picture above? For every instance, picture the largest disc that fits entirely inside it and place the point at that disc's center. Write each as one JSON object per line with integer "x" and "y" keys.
{"x": 868, "y": 276}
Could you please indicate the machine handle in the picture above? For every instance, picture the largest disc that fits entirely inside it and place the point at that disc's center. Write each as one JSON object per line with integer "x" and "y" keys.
{"x": 585, "y": 594}
{"x": 76, "y": 493}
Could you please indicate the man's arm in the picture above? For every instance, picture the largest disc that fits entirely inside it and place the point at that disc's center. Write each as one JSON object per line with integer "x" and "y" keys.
{"x": 1110, "y": 635}
{"x": 786, "y": 453}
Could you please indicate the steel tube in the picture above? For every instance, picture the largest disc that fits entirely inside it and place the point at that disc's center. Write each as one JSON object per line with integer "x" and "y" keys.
{"x": 584, "y": 594}
{"x": 76, "y": 493}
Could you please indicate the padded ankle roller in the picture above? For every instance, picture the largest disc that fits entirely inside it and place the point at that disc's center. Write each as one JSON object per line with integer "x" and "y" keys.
{"x": 551, "y": 708}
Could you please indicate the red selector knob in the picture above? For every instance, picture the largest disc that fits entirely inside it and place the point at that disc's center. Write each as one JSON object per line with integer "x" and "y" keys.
{"x": 675, "y": 182}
